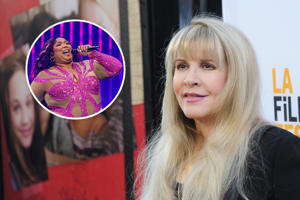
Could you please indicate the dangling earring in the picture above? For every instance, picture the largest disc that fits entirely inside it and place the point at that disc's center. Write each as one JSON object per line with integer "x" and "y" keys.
{"x": 52, "y": 59}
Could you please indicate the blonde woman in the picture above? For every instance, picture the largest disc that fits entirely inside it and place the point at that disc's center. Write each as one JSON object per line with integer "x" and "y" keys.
{"x": 213, "y": 142}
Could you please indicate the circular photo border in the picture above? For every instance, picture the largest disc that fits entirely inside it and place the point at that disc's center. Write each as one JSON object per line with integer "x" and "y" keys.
{"x": 81, "y": 32}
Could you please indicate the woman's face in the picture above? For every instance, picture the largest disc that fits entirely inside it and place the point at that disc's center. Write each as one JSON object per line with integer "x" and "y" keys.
{"x": 62, "y": 50}
{"x": 197, "y": 82}
{"x": 21, "y": 109}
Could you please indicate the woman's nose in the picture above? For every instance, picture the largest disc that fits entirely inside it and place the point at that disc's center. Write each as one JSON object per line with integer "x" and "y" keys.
{"x": 25, "y": 117}
{"x": 192, "y": 77}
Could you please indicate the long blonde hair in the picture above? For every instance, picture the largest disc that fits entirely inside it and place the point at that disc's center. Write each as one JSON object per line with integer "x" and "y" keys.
{"x": 221, "y": 162}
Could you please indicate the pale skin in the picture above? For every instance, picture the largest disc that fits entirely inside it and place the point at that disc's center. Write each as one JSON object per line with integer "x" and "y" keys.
{"x": 21, "y": 108}
{"x": 197, "y": 82}
{"x": 63, "y": 58}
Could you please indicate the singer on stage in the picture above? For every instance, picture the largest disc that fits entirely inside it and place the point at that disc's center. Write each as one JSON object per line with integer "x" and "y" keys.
{"x": 69, "y": 85}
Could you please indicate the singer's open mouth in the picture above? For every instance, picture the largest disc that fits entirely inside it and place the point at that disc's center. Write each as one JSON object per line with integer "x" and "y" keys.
{"x": 66, "y": 51}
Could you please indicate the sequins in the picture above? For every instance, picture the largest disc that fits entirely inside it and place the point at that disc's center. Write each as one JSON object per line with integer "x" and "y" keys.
{"x": 112, "y": 66}
{"x": 81, "y": 90}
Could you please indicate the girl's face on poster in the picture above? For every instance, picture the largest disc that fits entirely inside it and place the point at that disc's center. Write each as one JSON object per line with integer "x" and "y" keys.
{"x": 21, "y": 109}
{"x": 62, "y": 50}
{"x": 197, "y": 82}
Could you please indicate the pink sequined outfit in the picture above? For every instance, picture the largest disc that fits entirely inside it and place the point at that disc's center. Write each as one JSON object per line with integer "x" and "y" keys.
{"x": 79, "y": 91}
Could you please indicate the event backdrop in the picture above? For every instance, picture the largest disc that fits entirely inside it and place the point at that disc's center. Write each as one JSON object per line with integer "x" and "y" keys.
{"x": 272, "y": 28}
{"x": 108, "y": 176}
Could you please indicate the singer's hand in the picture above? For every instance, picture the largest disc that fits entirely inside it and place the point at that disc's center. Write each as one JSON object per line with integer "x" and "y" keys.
{"x": 83, "y": 50}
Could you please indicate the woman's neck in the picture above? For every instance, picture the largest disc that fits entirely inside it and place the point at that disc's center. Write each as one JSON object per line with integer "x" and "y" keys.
{"x": 205, "y": 126}
{"x": 65, "y": 65}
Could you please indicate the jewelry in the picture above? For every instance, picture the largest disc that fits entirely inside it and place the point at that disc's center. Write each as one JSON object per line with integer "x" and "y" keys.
{"x": 52, "y": 59}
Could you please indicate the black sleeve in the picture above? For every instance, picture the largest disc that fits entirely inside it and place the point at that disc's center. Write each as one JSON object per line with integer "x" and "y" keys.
{"x": 285, "y": 155}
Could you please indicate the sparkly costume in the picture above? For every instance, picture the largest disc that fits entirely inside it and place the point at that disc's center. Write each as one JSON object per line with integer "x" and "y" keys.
{"x": 79, "y": 91}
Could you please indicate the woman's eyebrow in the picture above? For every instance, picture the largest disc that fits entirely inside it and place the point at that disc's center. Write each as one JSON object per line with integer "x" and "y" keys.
{"x": 179, "y": 59}
{"x": 207, "y": 60}
{"x": 14, "y": 101}
{"x": 202, "y": 60}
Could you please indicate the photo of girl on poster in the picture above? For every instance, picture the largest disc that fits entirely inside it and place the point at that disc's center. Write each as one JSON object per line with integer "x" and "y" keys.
{"x": 21, "y": 124}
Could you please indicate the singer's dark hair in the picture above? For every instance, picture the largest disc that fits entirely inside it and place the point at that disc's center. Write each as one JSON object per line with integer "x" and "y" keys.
{"x": 43, "y": 60}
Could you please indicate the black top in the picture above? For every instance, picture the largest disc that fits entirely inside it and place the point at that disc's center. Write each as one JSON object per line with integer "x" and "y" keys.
{"x": 277, "y": 177}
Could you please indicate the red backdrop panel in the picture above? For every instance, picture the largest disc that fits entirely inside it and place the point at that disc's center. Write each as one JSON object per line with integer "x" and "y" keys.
{"x": 9, "y": 9}
{"x": 101, "y": 178}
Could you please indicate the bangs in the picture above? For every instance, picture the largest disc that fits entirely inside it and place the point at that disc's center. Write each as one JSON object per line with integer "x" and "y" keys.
{"x": 193, "y": 41}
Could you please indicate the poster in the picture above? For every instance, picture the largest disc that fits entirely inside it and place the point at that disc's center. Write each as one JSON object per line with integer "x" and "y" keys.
{"x": 70, "y": 175}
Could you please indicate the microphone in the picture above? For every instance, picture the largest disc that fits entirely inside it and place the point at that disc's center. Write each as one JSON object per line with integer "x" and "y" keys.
{"x": 91, "y": 48}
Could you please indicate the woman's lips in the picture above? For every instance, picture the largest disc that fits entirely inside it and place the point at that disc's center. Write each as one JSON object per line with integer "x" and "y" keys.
{"x": 26, "y": 132}
{"x": 193, "y": 97}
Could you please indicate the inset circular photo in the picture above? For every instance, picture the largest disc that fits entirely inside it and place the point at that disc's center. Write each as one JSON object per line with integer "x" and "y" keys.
{"x": 75, "y": 69}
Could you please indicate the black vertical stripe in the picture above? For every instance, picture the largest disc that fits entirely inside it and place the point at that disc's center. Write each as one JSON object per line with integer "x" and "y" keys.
{"x": 1, "y": 164}
{"x": 127, "y": 107}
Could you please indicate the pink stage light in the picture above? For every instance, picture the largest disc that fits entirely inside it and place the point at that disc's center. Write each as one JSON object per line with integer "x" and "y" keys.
{"x": 71, "y": 32}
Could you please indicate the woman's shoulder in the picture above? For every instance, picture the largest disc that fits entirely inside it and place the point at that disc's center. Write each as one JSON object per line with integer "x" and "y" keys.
{"x": 276, "y": 142}
{"x": 279, "y": 137}
{"x": 282, "y": 149}
{"x": 45, "y": 72}
{"x": 83, "y": 64}
{"x": 87, "y": 63}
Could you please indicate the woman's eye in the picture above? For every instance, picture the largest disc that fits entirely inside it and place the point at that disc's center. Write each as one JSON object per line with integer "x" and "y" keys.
{"x": 16, "y": 108}
{"x": 29, "y": 103}
{"x": 208, "y": 66}
{"x": 181, "y": 66}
